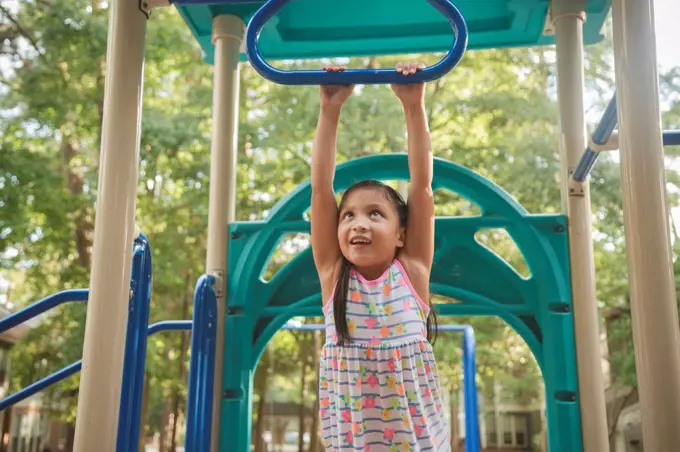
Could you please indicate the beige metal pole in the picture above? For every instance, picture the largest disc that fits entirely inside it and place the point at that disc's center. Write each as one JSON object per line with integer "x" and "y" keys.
{"x": 650, "y": 261}
{"x": 227, "y": 36}
{"x": 107, "y": 308}
{"x": 568, "y": 18}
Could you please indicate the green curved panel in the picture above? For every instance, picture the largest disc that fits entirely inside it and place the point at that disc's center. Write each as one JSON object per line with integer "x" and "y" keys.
{"x": 318, "y": 29}
{"x": 538, "y": 307}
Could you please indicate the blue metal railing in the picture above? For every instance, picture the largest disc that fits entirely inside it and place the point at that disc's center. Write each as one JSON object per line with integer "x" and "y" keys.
{"x": 42, "y": 306}
{"x": 135, "y": 344}
{"x": 201, "y": 372}
{"x": 469, "y": 382}
{"x": 202, "y": 367}
{"x": 134, "y": 361}
{"x": 75, "y": 367}
{"x": 602, "y": 134}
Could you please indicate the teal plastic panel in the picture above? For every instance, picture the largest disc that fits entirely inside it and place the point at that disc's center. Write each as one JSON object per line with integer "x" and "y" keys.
{"x": 328, "y": 28}
{"x": 538, "y": 307}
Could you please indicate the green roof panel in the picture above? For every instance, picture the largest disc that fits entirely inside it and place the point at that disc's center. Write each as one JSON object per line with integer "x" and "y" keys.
{"x": 333, "y": 28}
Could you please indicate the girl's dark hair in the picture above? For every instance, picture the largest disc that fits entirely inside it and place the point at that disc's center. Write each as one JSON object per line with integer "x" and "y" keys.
{"x": 342, "y": 286}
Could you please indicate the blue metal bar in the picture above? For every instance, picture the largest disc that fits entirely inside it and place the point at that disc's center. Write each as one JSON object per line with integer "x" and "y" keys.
{"x": 39, "y": 385}
{"x": 470, "y": 391}
{"x": 39, "y": 307}
{"x": 129, "y": 420}
{"x": 170, "y": 325}
{"x": 71, "y": 369}
{"x": 671, "y": 137}
{"x": 585, "y": 165}
{"x": 354, "y": 76}
{"x": 202, "y": 367}
{"x": 469, "y": 383}
{"x": 600, "y": 136}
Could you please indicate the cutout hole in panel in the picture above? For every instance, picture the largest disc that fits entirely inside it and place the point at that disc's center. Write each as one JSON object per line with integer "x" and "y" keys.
{"x": 443, "y": 299}
{"x": 500, "y": 242}
{"x": 450, "y": 204}
{"x": 290, "y": 245}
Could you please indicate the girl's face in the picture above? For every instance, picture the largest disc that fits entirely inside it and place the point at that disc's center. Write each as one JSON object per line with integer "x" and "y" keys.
{"x": 368, "y": 231}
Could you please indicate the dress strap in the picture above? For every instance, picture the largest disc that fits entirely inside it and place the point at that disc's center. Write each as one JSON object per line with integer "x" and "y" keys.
{"x": 424, "y": 306}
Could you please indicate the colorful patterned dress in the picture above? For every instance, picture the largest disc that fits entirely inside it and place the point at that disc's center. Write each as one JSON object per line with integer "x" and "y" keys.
{"x": 381, "y": 391}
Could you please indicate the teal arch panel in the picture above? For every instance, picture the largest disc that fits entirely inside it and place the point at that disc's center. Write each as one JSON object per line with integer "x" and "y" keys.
{"x": 538, "y": 307}
{"x": 328, "y": 28}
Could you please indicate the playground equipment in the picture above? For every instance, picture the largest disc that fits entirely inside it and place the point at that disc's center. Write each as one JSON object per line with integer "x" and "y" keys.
{"x": 554, "y": 309}
{"x": 538, "y": 307}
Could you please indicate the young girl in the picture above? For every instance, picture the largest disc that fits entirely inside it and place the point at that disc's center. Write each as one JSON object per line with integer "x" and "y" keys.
{"x": 379, "y": 387}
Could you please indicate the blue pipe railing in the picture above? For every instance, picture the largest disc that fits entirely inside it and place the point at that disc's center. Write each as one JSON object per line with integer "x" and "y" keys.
{"x": 134, "y": 361}
{"x": 202, "y": 367}
{"x": 75, "y": 367}
{"x": 42, "y": 306}
{"x": 469, "y": 383}
{"x": 135, "y": 344}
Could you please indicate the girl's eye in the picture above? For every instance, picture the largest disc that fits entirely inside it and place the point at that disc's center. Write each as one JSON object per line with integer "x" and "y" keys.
{"x": 347, "y": 215}
{"x": 376, "y": 212}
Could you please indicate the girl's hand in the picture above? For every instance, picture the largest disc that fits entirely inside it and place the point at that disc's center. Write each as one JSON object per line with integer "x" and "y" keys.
{"x": 410, "y": 93}
{"x": 335, "y": 95}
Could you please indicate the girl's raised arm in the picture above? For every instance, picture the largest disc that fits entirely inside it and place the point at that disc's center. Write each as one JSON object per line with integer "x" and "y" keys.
{"x": 324, "y": 215}
{"x": 419, "y": 244}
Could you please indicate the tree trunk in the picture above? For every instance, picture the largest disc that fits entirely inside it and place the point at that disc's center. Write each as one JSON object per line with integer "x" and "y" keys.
{"x": 141, "y": 445}
{"x": 181, "y": 365}
{"x": 314, "y": 439}
{"x": 75, "y": 181}
{"x": 454, "y": 420}
{"x": 6, "y": 425}
{"x": 618, "y": 410}
{"x": 303, "y": 393}
{"x": 70, "y": 438}
{"x": 261, "y": 388}
{"x": 165, "y": 420}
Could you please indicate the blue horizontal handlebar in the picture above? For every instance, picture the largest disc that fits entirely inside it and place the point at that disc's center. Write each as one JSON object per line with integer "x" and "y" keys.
{"x": 354, "y": 76}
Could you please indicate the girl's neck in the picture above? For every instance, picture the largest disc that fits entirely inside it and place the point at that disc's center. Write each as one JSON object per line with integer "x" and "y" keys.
{"x": 373, "y": 272}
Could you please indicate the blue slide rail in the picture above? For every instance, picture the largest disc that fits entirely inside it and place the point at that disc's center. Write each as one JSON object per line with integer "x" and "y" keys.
{"x": 602, "y": 134}
{"x": 202, "y": 366}
{"x": 469, "y": 383}
{"x": 353, "y": 76}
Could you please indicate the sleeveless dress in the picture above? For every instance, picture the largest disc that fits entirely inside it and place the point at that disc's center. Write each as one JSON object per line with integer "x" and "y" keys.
{"x": 381, "y": 391}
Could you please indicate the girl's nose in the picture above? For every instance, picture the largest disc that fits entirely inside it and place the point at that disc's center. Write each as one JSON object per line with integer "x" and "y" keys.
{"x": 359, "y": 226}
